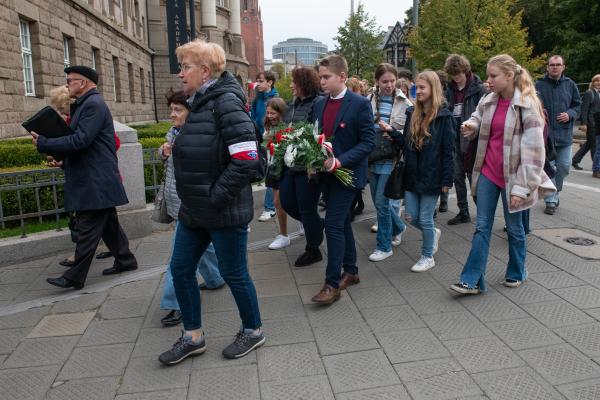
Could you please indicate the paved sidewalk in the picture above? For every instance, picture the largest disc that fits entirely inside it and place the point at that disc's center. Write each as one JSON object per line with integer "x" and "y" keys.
{"x": 396, "y": 335}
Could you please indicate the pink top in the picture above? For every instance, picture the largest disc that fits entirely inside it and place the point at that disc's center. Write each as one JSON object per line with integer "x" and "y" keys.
{"x": 493, "y": 163}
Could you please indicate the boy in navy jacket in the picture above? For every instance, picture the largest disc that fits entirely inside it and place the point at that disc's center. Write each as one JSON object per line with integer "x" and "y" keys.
{"x": 347, "y": 121}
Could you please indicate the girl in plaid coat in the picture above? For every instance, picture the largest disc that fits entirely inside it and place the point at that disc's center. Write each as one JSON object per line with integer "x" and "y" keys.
{"x": 509, "y": 164}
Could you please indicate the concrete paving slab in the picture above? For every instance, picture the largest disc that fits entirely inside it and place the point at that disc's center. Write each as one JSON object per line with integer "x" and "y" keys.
{"x": 23, "y": 319}
{"x": 147, "y": 374}
{"x": 10, "y": 338}
{"x": 382, "y": 296}
{"x": 561, "y": 364}
{"x": 280, "y": 363}
{"x": 525, "y": 333}
{"x": 89, "y": 389}
{"x": 483, "y": 354}
{"x": 96, "y": 361}
{"x": 173, "y": 394}
{"x": 586, "y": 338}
{"x": 492, "y": 307}
{"x": 62, "y": 325}
{"x": 411, "y": 345}
{"x": 459, "y": 325}
{"x": 307, "y": 388}
{"x": 288, "y": 331}
{"x": 396, "y": 392}
{"x": 362, "y": 370}
{"x": 348, "y": 338}
{"x": 27, "y": 383}
{"x": 111, "y": 332}
{"x": 125, "y": 308}
{"x": 43, "y": 351}
{"x": 239, "y": 382}
{"x": 586, "y": 390}
{"x": 391, "y": 319}
{"x": 519, "y": 383}
{"x": 557, "y": 314}
{"x": 576, "y": 241}
{"x": 581, "y": 297}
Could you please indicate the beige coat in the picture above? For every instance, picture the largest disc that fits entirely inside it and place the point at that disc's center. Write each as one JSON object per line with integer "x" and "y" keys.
{"x": 523, "y": 148}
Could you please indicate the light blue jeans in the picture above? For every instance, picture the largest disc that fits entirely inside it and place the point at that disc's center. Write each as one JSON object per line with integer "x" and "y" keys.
{"x": 418, "y": 211}
{"x": 269, "y": 200}
{"x": 473, "y": 273}
{"x": 389, "y": 223}
{"x": 563, "y": 166}
{"x": 207, "y": 267}
{"x": 596, "y": 165}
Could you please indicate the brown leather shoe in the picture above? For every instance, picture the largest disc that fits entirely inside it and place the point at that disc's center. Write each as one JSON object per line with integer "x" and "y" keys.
{"x": 327, "y": 295}
{"x": 348, "y": 280}
{"x": 596, "y": 174}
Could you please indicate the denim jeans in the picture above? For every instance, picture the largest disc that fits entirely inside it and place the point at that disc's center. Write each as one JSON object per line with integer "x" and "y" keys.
{"x": 418, "y": 210}
{"x": 207, "y": 267}
{"x": 473, "y": 273}
{"x": 299, "y": 197}
{"x": 596, "y": 165}
{"x": 341, "y": 248}
{"x": 389, "y": 223}
{"x": 231, "y": 250}
{"x": 269, "y": 200}
{"x": 563, "y": 165}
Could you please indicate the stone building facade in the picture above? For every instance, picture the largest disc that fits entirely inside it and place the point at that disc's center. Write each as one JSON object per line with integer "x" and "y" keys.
{"x": 217, "y": 21}
{"x": 125, "y": 40}
{"x": 252, "y": 32}
{"x": 38, "y": 38}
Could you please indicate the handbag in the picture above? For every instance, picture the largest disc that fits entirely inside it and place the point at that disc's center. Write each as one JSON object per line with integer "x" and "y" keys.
{"x": 160, "y": 214}
{"x": 394, "y": 187}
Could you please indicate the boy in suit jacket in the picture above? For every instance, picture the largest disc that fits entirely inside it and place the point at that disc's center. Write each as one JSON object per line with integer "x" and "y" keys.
{"x": 347, "y": 120}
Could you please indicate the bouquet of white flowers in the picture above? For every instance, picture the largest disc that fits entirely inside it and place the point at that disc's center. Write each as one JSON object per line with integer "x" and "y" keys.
{"x": 301, "y": 145}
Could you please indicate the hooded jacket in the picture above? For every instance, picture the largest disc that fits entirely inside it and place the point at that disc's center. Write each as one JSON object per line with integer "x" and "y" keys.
{"x": 214, "y": 156}
{"x": 559, "y": 96}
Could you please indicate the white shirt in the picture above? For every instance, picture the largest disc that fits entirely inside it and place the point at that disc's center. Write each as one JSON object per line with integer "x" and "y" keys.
{"x": 339, "y": 96}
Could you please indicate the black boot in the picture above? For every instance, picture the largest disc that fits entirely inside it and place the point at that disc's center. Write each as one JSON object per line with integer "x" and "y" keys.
{"x": 461, "y": 218}
{"x": 310, "y": 256}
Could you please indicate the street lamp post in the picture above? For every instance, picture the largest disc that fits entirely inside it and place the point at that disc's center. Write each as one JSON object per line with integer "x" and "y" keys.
{"x": 415, "y": 21}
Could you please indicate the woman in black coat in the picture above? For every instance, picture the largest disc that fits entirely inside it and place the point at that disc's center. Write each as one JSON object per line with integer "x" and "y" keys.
{"x": 299, "y": 196}
{"x": 215, "y": 155}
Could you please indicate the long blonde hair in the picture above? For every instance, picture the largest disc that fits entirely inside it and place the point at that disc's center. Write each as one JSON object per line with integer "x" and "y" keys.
{"x": 522, "y": 80}
{"x": 595, "y": 77}
{"x": 420, "y": 121}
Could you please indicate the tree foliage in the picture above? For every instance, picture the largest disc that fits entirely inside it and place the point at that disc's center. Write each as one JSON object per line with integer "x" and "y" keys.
{"x": 283, "y": 87}
{"x": 479, "y": 29}
{"x": 567, "y": 27}
{"x": 359, "y": 41}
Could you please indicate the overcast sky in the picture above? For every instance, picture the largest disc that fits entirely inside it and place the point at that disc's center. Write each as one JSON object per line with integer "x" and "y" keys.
{"x": 319, "y": 19}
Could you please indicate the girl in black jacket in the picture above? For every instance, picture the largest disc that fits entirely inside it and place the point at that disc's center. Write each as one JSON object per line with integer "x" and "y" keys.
{"x": 428, "y": 143}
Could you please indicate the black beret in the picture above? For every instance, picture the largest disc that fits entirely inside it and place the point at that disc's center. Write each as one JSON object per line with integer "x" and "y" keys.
{"x": 88, "y": 72}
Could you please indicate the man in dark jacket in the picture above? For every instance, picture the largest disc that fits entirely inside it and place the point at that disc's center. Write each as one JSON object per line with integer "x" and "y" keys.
{"x": 93, "y": 185}
{"x": 589, "y": 108}
{"x": 463, "y": 95}
{"x": 562, "y": 103}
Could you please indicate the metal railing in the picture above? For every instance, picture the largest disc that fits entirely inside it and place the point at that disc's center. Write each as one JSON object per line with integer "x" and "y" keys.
{"x": 35, "y": 195}
{"x": 31, "y": 194}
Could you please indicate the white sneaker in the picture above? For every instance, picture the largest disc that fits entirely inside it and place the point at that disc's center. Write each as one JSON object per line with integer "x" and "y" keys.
{"x": 280, "y": 242}
{"x": 374, "y": 228}
{"x": 379, "y": 255}
{"x": 300, "y": 229}
{"x": 266, "y": 215}
{"x": 397, "y": 240}
{"x": 436, "y": 240}
{"x": 424, "y": 264}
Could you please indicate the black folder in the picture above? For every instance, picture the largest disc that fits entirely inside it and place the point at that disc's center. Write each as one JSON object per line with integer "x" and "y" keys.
{"x": 48, "y": 123}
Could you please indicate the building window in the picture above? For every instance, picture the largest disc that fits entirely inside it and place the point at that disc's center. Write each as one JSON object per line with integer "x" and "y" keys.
{"x": 131, "y": 82}
{"x": 66, "y": 51}
{"x": 220, "y": 3}
{"x": 116, "y": 80}
{"x": 143, "y": 85}
{"x": 96, "y": 59}
{"x": 26, "y": 54}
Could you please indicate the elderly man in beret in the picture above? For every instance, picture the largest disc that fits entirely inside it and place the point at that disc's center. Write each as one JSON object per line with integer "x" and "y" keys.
{"x": 93, "y": 185}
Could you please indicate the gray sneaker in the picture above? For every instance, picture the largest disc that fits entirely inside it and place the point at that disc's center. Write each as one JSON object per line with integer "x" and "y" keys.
{"x": 243, "y": 344}
{"x": 463, "y": 288}
{"x": 183, "y": 347}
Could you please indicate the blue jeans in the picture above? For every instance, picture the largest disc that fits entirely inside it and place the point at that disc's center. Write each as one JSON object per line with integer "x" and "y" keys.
{"x": 269, "y": 200}
{"x": 299, "y": 198}
{"x": 341, "y": 248}
{"x": 418, "y": 210}
{"x": 231, "y": 250}
{"x": 207, "y": 267}
{"x": 389, "y": 223}
{"x": 596, "y": 164}
{"x": 473, "y": 273}
{"x": 562, "y": 165}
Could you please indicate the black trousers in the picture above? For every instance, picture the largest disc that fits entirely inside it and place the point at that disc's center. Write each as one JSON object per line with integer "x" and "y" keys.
{"x": 589, "y": 145}
{"x": 93, "y": 225}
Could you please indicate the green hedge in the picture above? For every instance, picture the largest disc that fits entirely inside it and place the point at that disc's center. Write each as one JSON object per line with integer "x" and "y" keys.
{"x": 15, "y": 155}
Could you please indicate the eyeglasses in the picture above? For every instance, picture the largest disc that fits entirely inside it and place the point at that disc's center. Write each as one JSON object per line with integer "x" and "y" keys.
{"x": 185, "y": 67}
{"x": 69, "y": 80}
{"x": 555, "y": 65}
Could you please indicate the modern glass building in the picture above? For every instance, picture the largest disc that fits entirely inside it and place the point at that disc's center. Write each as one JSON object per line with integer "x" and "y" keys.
{"x": 307, "y": 51}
